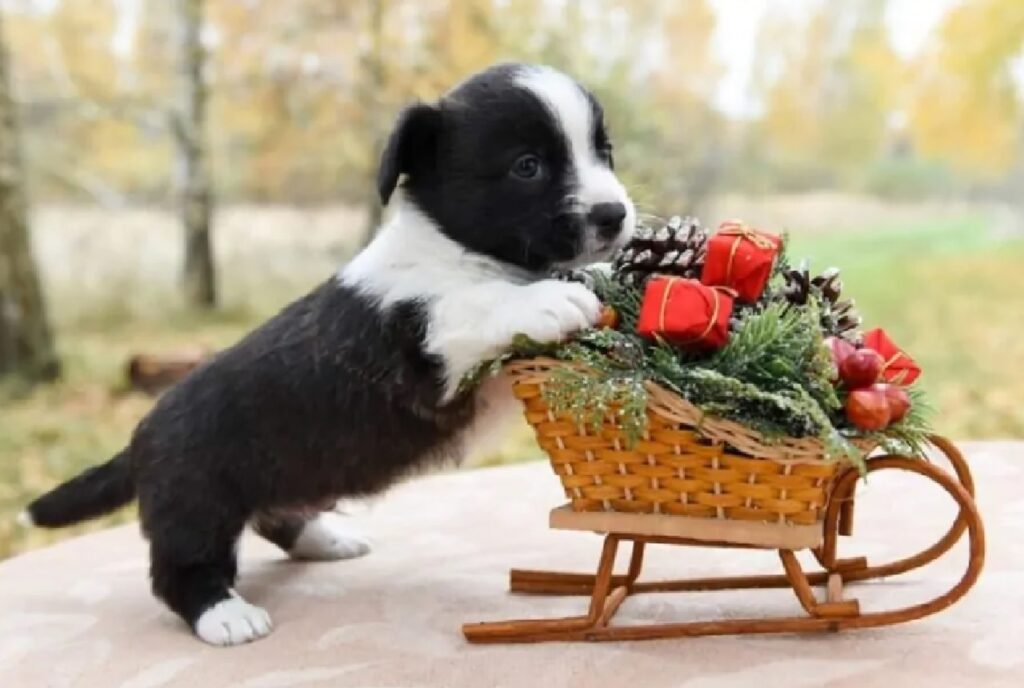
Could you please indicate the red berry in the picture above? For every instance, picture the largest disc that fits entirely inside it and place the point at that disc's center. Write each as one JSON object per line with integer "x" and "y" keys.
{"x": 861, "y": 368}
{"x": 868, "y": 409}
{"x": 899, "y": 401}
{"x": 840, "y": 349}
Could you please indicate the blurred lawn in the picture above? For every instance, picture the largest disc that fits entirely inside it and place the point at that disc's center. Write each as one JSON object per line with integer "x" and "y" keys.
{"x": 947, "y": 290}
{"x": 953, "y": 296}
{"x": 57, "y": 430}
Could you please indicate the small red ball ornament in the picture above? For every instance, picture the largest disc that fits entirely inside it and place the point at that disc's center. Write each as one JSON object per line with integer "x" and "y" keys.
{"x": 861, "y": 368}
{"x": 898, "y": 399}
{"x": 868, "y": 409}
{"x": 840, "y": 349}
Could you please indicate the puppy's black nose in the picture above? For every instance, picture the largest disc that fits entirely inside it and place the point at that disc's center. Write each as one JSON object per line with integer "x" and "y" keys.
{"x": 607, "y": 217}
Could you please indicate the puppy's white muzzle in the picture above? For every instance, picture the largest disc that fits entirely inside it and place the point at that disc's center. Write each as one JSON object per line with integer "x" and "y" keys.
{"x": 609, "y": 227}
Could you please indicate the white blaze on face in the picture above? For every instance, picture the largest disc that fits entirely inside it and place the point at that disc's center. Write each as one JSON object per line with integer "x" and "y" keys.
{"x": 564, "y": 98}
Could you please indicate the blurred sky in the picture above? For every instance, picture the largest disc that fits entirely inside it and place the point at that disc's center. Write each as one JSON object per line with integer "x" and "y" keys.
{"x": 910, "y": 22}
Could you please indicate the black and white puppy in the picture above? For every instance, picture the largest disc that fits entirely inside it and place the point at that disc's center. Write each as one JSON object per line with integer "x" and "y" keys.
{"x": 357, "y": 384}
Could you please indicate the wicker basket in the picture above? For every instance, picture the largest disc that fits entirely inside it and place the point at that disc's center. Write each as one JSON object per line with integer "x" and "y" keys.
{"x": 725, "y": 471}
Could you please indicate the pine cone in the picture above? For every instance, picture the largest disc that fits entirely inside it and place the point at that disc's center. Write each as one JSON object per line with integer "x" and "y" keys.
{"x": 798, "y": 284}
{"x": 839, "y": 317}
{"x": 678, "y": 248}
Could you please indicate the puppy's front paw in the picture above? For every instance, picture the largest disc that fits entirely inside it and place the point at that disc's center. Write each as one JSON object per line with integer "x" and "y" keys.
{"x": 233, "y": 622}
{"x": 555, "y": 310}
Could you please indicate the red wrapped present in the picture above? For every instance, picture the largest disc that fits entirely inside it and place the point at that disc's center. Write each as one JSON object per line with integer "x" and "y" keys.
{"x": 900, "y": 368}
{"x": 740, "y": 258}
{"x": 685, "y": 312}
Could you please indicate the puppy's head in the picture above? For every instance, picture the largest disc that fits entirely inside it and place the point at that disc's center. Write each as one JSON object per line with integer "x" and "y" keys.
{"x": 514, "y": 163}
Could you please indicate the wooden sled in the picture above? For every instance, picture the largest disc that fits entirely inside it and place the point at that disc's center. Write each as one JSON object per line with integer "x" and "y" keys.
{"x": 834, "y": 612}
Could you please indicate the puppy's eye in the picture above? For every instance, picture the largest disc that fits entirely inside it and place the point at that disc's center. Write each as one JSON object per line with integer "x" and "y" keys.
{"x": 528, "y": 166}
{"x": 605, "y": 153}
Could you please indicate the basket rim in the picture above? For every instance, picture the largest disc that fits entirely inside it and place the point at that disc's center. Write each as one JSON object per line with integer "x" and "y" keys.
{"x": 674, "y": 408}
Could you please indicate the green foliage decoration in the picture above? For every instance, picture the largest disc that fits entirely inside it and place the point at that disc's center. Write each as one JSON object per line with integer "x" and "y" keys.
{"x": 774, "y": 375}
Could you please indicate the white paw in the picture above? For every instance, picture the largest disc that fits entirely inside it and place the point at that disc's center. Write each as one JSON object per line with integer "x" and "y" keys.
{"x": 233, "y": 622}
{"x": 553, "y": 310}
{"x": 329, "y": 536}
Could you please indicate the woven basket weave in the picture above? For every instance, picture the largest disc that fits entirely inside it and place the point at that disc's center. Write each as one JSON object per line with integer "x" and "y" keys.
{"x": 725, "y": 471}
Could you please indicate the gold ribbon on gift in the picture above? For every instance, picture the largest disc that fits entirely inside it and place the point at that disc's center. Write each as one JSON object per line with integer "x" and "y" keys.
{"x": 900, "y": 376}
{"x": 741, "y": 231}
{"x": 664, "y": 301}
{"x": 714, "y": 313}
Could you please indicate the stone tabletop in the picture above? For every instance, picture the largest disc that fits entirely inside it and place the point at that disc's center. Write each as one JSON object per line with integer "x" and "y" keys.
{"x": 79, "y": 614}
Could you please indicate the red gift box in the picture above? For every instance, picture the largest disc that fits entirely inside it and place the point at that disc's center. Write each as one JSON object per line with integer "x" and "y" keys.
{"x": 740, "y": 258}
{"x": 899, "y": 368}
{"x": 685, "y": 312}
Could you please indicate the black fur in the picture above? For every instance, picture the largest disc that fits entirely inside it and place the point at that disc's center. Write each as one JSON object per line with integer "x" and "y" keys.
{"x": 281, "y": 527}
{"x": 457, "y": 157}
{"x": 411, "y": 148}
{"x": 95, "y": 492}
{"x": 331, "y": 397}
{"x": 335, "y": 396}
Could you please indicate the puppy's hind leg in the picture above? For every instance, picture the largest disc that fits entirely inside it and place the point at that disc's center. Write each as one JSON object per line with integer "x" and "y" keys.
{"x": 313, "y": 535}
{"x": 193, "y": 567}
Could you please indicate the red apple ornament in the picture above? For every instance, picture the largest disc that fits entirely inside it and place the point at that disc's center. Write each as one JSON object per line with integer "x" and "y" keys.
{"x": 861, "y": 369}
{"x": 898, "y": 399}
{"x": 868, "y": 408}
{"x": 840, "y": 349}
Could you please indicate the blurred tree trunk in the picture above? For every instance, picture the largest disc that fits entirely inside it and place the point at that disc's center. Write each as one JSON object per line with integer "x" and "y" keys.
{"x": 26, "y": 342}
{"x": 194, "y": 186}
{"x": 1017, "y": 175}
{"x": 374, "y": 83}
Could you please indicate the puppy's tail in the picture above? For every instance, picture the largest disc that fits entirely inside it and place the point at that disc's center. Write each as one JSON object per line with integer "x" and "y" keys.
{"x": 95, "y": 492}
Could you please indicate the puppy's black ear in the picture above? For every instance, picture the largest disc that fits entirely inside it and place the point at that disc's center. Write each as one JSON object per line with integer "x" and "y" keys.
{"x": 412, "y": 146}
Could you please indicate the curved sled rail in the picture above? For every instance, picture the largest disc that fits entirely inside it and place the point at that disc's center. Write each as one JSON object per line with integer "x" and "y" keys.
{"x": 608, "y": 591}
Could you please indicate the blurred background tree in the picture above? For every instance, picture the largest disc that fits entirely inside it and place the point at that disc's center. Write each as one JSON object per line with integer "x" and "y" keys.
{"x": 968, "y": 107}
{"x": 829, "y": 84}
{"x": 885, "y": 135}
{"x": 193, "y": 175}
{"x": 301, "y": 96}
{"x": 26, "y": 345}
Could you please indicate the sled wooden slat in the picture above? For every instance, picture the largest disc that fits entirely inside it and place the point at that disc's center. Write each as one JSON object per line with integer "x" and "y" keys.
{"x": 753, "y": 533}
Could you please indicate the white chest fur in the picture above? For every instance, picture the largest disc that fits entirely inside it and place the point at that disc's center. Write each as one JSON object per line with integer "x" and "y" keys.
{"x": 475, "y": 304}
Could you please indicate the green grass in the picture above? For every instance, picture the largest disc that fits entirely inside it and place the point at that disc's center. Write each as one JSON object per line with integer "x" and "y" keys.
{"x": 948, "y": 291}
{"x": 54, "y": 431}
{"x": 952, "y": 295}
